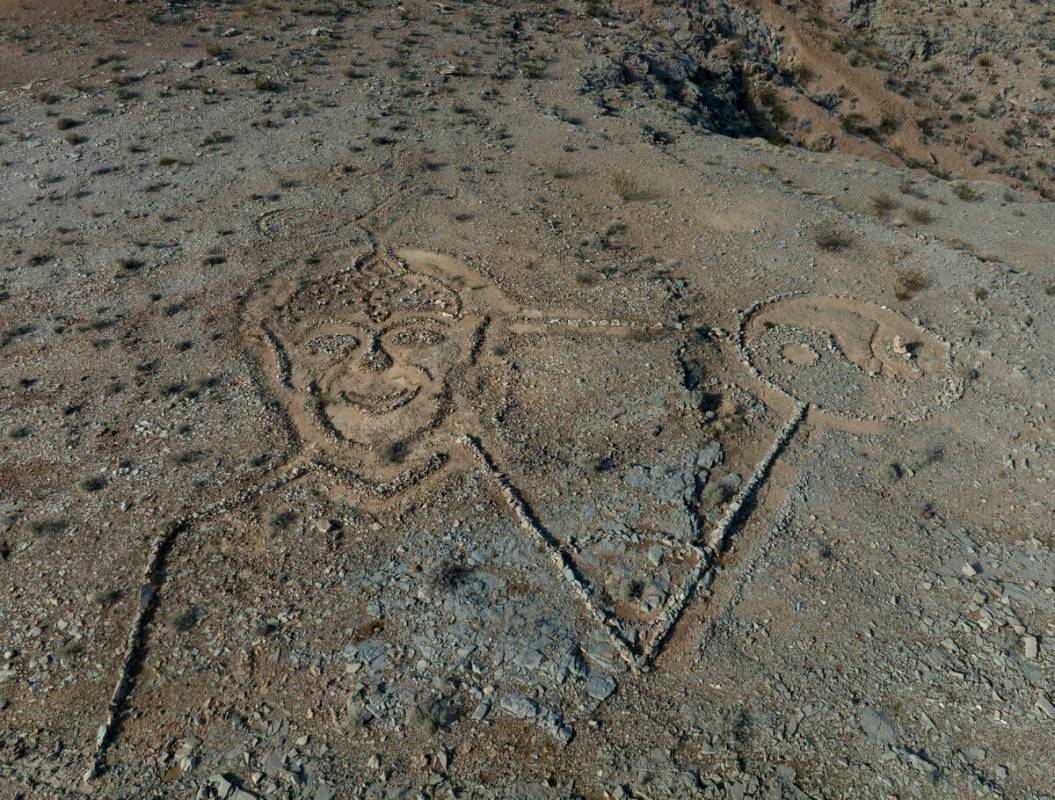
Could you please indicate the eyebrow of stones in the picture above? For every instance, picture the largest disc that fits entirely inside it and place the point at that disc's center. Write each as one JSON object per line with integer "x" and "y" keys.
{"x": 410, "y": 322}
{"x": 337, "y": 327}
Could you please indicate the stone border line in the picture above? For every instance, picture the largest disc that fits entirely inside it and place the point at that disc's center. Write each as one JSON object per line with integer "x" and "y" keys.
{"x": 558, "y": 554}
{"x": 953, "y": 386}
{"x": 149, "y": 589}
{"x": 716, "y": 540}
{"x": 588, "y": 322}
{"x": 285, "y": 368}
{"x": 383, "y": 490}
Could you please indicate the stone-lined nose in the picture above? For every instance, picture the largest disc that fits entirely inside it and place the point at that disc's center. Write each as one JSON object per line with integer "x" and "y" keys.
{"x": 375, "y": 359}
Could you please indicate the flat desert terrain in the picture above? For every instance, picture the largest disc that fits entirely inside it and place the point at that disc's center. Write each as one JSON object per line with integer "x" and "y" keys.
{"x": 600, "y": 400}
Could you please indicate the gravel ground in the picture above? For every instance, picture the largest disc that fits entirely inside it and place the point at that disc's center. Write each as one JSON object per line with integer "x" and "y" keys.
{"x": 407, "y": 401}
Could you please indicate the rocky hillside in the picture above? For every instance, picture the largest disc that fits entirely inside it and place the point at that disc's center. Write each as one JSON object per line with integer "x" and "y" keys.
{"x": 962, "y": 89}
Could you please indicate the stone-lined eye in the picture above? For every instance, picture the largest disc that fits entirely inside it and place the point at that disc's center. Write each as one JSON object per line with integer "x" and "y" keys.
{"x": 338, "y": 345}
{"x": 419, "y": 337}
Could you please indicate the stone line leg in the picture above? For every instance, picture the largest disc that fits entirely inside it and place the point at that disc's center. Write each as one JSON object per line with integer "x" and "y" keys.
{"x": 149, "y": 588}
{"x": 560, "y": 557}
{"x": 716, "y": 540}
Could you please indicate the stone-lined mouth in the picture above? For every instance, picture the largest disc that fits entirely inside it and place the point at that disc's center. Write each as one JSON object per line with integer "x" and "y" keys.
{"x": 379, "y": 403}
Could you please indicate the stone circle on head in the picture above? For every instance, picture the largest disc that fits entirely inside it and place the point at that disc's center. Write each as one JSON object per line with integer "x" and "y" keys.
{"x": 377, "y": 290}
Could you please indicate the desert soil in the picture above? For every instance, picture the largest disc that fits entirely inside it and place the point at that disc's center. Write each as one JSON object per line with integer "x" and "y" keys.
{"x": 538, "y": 400}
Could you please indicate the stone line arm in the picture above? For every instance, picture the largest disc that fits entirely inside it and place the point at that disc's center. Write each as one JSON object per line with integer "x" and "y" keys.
{"x": 556, "y": 551}
{"x": 530, "y": 323}
{"x": 716, "y": 539}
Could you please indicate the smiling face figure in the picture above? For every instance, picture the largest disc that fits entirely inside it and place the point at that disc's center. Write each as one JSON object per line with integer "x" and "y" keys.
{"x": 365, "y": 354}
{"x": 379, "y": 384}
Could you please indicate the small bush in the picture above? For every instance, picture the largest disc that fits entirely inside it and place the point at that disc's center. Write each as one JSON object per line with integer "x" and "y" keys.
{"x": 93, "y": 483}
{"x": 534, "y": 71}
{"x": 449, "y": 575}
{"x": 964, "y": 192}
{"x": 216, "y": 137}
{"x": 108, "y": 598}
{"x": 187, "y": 619}
{"x": 853, "y": 123}
{"x": 831, "y": 238}
{"x": 882, "y": 203}
{"x": 891, "y": 472}
{"x": 909, "y": 283}
{"x": 803, "y": 73}
{"x": 393, "y": 452}
{"x": 919, "y": 215}
{"x": 715, "y": 494}
{"x": 907, "y": 186}
{"x": 628, "y": 188}
{"x": 48, "y": 527}
{"x": 262, "y": 83}
{"x": 216, "y": 50}
{"x": 282, "y": 520}
{"x": 586, "y": 279}
{"x": 888, "y": 124}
